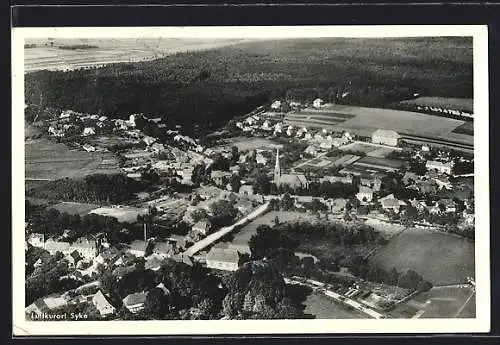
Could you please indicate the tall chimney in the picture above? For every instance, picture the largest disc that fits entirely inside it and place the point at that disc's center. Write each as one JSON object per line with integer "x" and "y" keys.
{"x": 145, "y": 236}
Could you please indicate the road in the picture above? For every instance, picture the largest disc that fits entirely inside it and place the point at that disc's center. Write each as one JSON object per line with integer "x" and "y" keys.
{"x": 210, "y": 239}
{"x": 339, "y": 298}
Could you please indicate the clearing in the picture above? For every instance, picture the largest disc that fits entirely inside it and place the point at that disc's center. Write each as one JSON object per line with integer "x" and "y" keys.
{"x": 440, "y": 258}
{"x": 464, "y": 104}
{"x": 46, "y": 160}
{"x": 123, "y": 214}
{"x": 74, "y": 208}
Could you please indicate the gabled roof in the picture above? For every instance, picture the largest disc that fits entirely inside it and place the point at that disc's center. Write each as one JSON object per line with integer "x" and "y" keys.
{"x": 223, "y": 255}
{"x": 101, "y": 302}
{"x": 365, "y": 190}
{"x": 201, "y": 225}
{"x": 135, "y": 298}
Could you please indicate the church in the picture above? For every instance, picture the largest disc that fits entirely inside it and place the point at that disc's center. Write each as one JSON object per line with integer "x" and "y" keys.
{"x": 293, "y": 181}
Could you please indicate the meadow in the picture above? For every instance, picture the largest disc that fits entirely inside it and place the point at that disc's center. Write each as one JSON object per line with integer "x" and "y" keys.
{"x": 74, "y": 208}
{"x": 440, "y": 258}
{"x": 46, "y": 160}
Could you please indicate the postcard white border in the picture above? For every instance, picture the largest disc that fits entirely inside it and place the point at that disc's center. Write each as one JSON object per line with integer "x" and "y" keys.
{"x": 481, "y": 323}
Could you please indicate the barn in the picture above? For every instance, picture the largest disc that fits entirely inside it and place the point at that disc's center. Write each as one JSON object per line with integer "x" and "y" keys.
{"x": 385, "y": 137}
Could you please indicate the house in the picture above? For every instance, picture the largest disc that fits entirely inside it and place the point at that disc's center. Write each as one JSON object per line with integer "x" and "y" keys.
{"x": 202, "y": 227}
{"x": 441, "y": 167}
{"x": 102, "y": 304}
{"x": 389, "y": 202}
{"x": 88, "y": 148}
{"x": 138, "y": 248}
{"x": 289, "y": 130}
{"x": 219, "y": 176}
{"x": 385, "y": 137}
{"x": 226, "y": 259}
{"x": 37, "y": 240}
{"x": 240, "y": 248}
{"x": 135, "y": 302}
{"x": 246, "y": 189}
{"x": 266, "y": 125}
{"x": 103, "y": 118}
{"x": 317, "y": 103}
{"x": 53, "y": 247}
{"x": 311, "y": 150}
{"x": 365, "y": 194}
{"x": 278, "y": 128}
{"x": 276, "y": 105}
{"x": 85, "y": 247}
{"x": 88, "y": 131}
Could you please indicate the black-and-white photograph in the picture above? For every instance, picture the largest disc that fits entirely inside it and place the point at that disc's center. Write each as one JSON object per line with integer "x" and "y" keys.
{"x": 251, "y": 178}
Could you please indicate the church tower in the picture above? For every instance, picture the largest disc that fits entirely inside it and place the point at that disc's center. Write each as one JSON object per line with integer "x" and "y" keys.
{"x": 277, "y": 168}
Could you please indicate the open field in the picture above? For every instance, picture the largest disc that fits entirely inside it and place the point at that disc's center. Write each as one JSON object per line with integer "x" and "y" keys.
{"x": 367, "y": 120}
{"x": 74, "y": 208}
{"x": 122, "y": 214}
{"x": 380, "y": 163}
{"x": 456, "y": 301}
{"x": 244, "y": 144}
{"x": 464, "y": 104}
{"x": 46, "y": 160}
{"x": 386, "y": 230}
{"x": 364, "y": 121}
{"x": 371, "y": 150}
{"x": 324, "y": 307}
{"x": 105, "y": 51}
{"x": 439, "y": 257}
{"x": 243, "y": 235}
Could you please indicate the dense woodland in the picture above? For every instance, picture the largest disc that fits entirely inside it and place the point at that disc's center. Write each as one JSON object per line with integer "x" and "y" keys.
{"x": 97, "y": 188}
{"x": 208, "y": 88}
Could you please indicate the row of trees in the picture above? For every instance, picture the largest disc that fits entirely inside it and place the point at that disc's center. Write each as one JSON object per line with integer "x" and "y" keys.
{"x": 98, "y": 188}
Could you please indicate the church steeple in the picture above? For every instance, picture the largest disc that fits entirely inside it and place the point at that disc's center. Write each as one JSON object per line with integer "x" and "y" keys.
{"x": 277, "y": 168}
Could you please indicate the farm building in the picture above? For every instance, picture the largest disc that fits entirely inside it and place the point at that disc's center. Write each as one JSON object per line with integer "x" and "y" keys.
{"x": 103, "y": 306}
{"x": 135, "y": 302}
{"x": 226, "y": 259}
{"x": 385, "y": 137}
{"x": 365, "y": 194}
{"x": 246, "y": 189}
{"x": 138, "y": 248}
{"x": 389, "y": 202}
{"x": 317, "y": 103}
{"x": 88, "y": 131}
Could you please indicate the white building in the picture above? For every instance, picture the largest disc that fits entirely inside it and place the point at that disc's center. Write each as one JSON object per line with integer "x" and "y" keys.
{"x": 385, "y": 137}
{"x": 102, "y": 304}
{"x": 317, "y": 103}
{"x": 227, "y": 259}
{"x": 138, "y": 248}
{"x": 365, "y": 194}
{"x": 135, "y": 302}
{"x": 276, "y": 105}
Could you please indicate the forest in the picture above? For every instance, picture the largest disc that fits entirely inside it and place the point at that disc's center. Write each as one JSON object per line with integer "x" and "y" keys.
{"x": 208, "y": 88}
